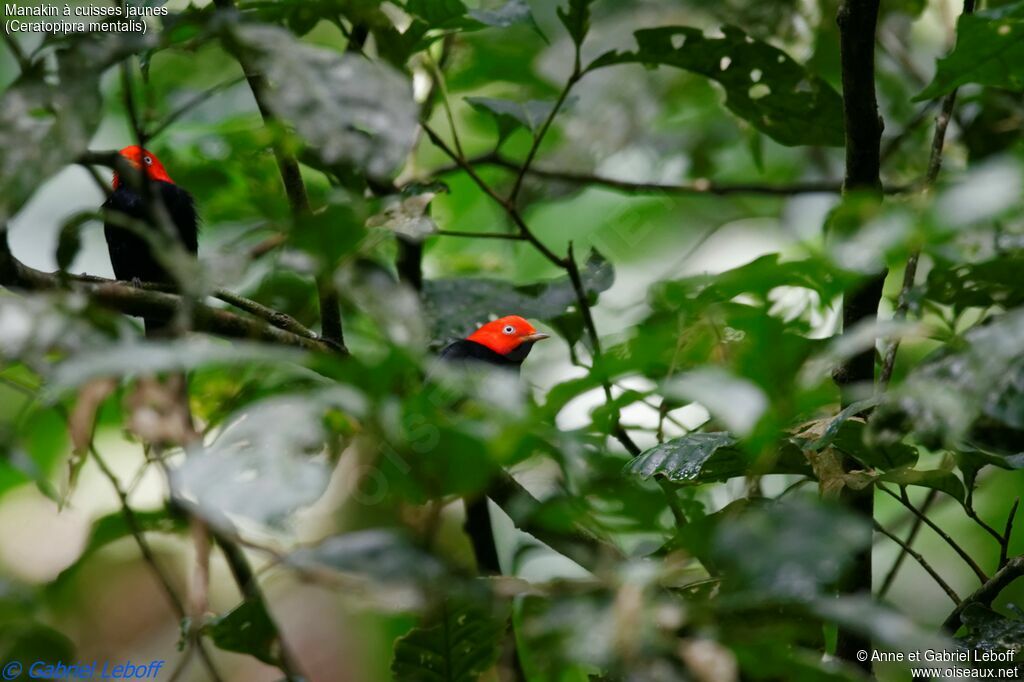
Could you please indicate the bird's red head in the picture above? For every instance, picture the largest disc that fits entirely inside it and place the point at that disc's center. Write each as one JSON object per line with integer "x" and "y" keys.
{"x": 146, "y": 161}
{"x": 506, "y": 334}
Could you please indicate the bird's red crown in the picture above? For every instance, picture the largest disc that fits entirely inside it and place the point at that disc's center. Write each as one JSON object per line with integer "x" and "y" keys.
{"x": 506, "y": 334}
{"x": 146, "y": 161}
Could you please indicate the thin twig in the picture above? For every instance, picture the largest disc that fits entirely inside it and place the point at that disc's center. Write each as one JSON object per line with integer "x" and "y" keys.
{"x": 1008, "y": 533}
{"x": 176, "y": 602}
{"x": 915, "y": 528}
{"x": 922, "y": 561}
{"x": 190, "y": 104}
{"x": 903, "y": 499}
{"x": 481, "y": 235}
{"x": 932, "y": 174}
{"x": 973, "y": 515}
{"x": 696, "y": 188}
{"x": 295, "y": 188}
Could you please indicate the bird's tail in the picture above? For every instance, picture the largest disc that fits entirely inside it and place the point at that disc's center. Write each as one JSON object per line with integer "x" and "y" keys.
{"x": 481, "y": 535}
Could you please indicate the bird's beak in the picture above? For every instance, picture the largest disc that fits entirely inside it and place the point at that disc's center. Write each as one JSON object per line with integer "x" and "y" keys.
{"x": 536, "y": 336}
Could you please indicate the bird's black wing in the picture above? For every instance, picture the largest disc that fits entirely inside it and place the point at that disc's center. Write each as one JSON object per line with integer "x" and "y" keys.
{"x": 466, "y": 351}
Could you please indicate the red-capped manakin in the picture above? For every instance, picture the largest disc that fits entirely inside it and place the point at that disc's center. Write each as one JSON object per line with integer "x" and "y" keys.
{"x": 505, "y": 343}
{"x": 130, "y": 253}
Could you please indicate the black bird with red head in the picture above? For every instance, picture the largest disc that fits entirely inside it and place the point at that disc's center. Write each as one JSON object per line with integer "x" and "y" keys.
{"x": 131, "y": 254}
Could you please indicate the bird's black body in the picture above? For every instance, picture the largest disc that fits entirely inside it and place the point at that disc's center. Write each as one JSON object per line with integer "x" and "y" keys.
{"x": 478, "y": 515}
{"x": 471, "y": 351}
{"x": 130, "y": 254}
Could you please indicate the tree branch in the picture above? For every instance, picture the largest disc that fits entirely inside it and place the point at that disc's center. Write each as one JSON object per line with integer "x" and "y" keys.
{"x": 923, "y": 562}
{"x": 987, "y": 593}
{"x": 294, "y": 187}
{"x": 857, "y": 20}
{"x": 905, "y": 501}
{"x": 697, "y": 188}
{"x": 177, "y": 605}
{"x": 140, "y": 302}
{"x": 890, "y": 577}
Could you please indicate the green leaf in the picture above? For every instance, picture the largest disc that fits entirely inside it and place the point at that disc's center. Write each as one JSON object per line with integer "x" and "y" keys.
{"x": 936, "y": 479}
{"x": 351, "y": 111}
{"x": 29, "y": 641}
{"x": 510, "y": 115}
{"x": 47, "y": 119}
{"x": 981, "y": 284}
{"x": 763, "y": 85}
{"x": 458, "y": 306}
{"x": 693, "y": 458}
{"x": 988, "y": 630}
{"x": 576, "y": 19}
{"x": 267, "y": 461}
{"x": 789, "y": 549}
{"x": 437, "y": 13}
{"x": 512, "y": 12}
{"x": 989, "y": 51}
{"x": 974, "y": 393}
{"x": 113, "y": 527}
{"x": 459, "y": 644}
{"x": 247, "y": 629}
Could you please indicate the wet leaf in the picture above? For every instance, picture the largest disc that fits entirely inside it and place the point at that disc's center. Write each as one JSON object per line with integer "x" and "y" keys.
{"x": 350, "y": 111}
{"x": 460, "y": 643}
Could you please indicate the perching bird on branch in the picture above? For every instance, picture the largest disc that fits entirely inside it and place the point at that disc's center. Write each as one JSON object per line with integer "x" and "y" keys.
{"x": 505, "y": 343}
{"x": 133, "y": 210}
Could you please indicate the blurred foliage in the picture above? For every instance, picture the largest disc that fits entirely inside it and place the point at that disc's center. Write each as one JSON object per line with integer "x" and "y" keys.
{"x": 681, "y": 439}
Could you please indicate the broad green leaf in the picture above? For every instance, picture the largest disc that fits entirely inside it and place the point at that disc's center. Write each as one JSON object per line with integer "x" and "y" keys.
{"x": 988, "y": 630}
{"x": 510, "y": 115}
{"x": 789, "y": 549}
{"x": 437, "y": 13}
{"x": 989, "y": 51}
{"x": 459, "y": 306}
{"x": 975, "y": 393}
{"x": 47, "y": 119}
{"x": 763, "y": 85}
{"x": 454, "y": 14}
{"x": 247, "y": 629}
{"x": 267, "y": 461}
{"x": 736, "y": 402}
{"x": 576, "y": 19}
{"x": 936, "y": 479}
{"x": 982, "y": 284}
{"x": 113, "y": 527}
{"x": 31, "y": 641}
{"x": 693, "y": 458}
{"x": 459, "y": 644}
{"x": 351, "y": 111}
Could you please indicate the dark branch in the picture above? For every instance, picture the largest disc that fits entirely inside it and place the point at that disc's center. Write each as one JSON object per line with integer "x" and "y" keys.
{"x": 985, "y": 594}
{"x": 294, "y": 187}
{"x": 140, "y": 302}
{"x": 857, "y": 20}
{"x": 923, "y": 562}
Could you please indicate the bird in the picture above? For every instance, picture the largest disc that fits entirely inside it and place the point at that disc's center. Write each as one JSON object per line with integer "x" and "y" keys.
{"x": 503, "y": 343}
{"x": 131, "y": 254}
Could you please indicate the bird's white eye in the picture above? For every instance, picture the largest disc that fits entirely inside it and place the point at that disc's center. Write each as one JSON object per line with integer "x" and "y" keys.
{"x": 509, "y": 329}
{"x": 148, "y": 160}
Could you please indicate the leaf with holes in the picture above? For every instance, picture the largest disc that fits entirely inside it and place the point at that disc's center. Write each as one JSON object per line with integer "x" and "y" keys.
{"x": 457, "y": 645}
{"x": 764, "y": 86}
{"x": 989, "y": 51}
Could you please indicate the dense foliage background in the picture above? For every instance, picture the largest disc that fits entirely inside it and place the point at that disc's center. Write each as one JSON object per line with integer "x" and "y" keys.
{"x": 659, "y": 184}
